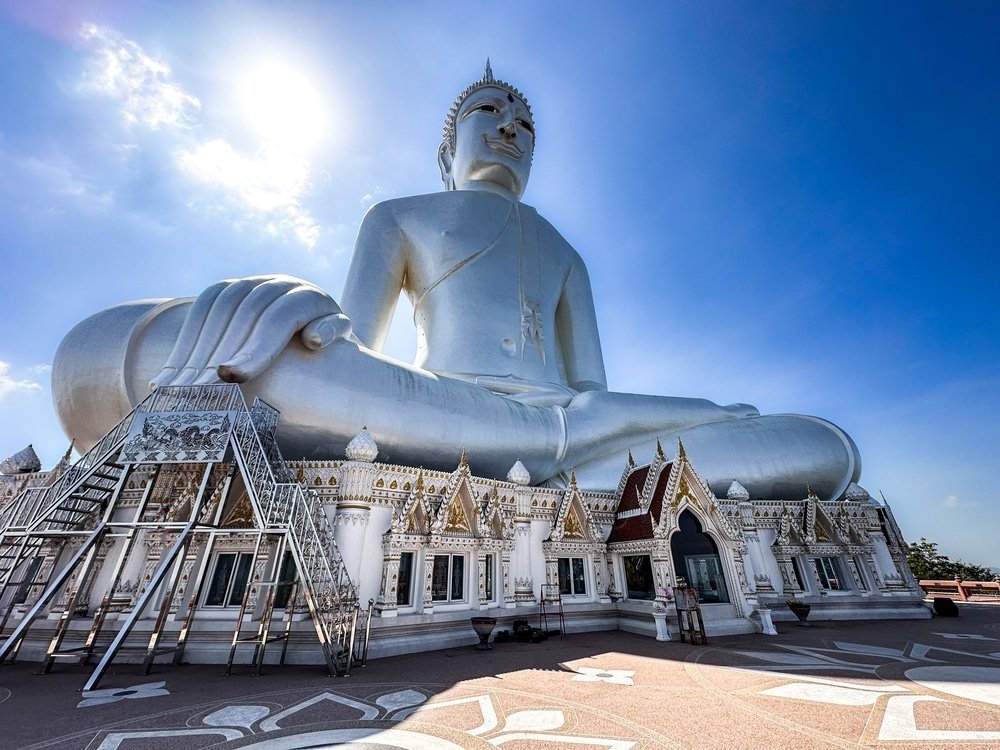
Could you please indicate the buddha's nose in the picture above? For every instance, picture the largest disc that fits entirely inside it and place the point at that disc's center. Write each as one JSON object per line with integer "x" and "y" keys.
{"x": 508, "y": 130}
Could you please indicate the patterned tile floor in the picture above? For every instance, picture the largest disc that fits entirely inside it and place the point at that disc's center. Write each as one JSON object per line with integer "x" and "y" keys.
{"x": 929, "y": 684}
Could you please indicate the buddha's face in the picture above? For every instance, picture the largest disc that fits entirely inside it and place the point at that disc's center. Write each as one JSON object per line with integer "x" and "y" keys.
{"x": 494, "y": 140}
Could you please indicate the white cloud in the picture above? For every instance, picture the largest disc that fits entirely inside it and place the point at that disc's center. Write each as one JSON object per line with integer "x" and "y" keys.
{"x": 142, "y": 84}
{"x": 952, "y": 501}
{"x": 8, "y": 385}
{"x": 265, "y": 187}
{"x": 261, "y": 191}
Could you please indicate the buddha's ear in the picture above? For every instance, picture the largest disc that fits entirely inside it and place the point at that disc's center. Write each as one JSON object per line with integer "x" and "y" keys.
{"x": 445, "y": 159}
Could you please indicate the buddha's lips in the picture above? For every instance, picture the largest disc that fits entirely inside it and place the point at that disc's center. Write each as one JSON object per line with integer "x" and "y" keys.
{"x": 510, "y": 149}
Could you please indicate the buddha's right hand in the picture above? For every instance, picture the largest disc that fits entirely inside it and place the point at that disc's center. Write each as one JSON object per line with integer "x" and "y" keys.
{"x": 236, "y": 328}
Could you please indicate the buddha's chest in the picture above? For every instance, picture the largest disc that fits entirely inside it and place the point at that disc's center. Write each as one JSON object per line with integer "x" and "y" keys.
{"x": 491, "y": 255}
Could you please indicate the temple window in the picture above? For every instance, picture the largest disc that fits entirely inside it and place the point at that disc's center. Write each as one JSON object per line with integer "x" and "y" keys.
{"x": 404, "y": 587}
{"x": 24, "y": 590}
{"x": 572, "y": 576}
{"x": 639, "y": 577}
{"x": 231, "y": 573}
{"x": 489, "y": 583}
{"x": 828, "y": 572}
{"x": 448, "y": 578}
{"x": 286, "y": 576}
{"x": 229, "y": 579}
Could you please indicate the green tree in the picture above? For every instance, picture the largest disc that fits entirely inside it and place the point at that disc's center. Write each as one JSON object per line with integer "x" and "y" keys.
{"x": 929, "y": 564}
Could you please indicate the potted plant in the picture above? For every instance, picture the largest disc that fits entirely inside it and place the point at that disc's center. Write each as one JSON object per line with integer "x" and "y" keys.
{"x": 800, "y": 609}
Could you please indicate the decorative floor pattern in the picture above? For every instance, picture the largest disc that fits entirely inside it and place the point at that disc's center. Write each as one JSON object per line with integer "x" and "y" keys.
{"x": 930, "y": 685}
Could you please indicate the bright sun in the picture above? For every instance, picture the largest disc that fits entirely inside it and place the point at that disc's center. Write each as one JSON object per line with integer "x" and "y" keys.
{"x": 282, "y": 105}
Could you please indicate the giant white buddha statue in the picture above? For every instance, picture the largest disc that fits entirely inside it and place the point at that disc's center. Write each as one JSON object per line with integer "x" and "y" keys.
{"x": 508, "y": 363}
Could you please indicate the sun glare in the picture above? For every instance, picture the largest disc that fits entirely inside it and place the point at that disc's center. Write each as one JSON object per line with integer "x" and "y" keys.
{"x": 282, "y": 105}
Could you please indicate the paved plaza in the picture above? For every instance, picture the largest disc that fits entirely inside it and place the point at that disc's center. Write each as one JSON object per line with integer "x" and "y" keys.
{"x": 923, "y": 684}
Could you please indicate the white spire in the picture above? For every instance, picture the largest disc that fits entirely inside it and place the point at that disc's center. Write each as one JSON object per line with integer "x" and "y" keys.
{"x": 362, "y": 447}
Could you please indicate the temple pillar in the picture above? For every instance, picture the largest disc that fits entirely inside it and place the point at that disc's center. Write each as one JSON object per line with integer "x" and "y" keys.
{"x": 509, "y": 595}
{"x": 428, "y": 601}
{"x": 385, "y": 603}
{"x": 349, "y": 527}
{"x": 663, "y": 571}
{"x": 350, "y": 523}
{"x": 524, "y": 585}
{"x": 483, "y": 599}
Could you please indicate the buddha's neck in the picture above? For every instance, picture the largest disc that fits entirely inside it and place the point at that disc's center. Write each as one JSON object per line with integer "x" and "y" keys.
{"x": 483, "y": 186}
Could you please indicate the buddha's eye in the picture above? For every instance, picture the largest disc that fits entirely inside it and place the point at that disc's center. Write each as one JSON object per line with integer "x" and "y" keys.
{"x": 487, "y": 108}
{"x": 526, "y": 125}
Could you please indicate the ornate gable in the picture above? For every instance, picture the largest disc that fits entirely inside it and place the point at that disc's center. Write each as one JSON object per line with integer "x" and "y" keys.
{"x": 686, "y": 489}
{"x": 414, "y": 517}
{"x": 653, "y": 477}
{"x": 848, "y": 529}
{"x": 626, "y": 473}
{"x": 574, "y": 522}
{"x": 494, "y": 521}
{"x": 457, "y": 513}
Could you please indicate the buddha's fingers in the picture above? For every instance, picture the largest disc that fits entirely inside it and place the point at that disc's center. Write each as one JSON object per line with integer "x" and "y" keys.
{"x": 219, "y": 323}
{"x": 305, "y": 307}
{"x": 188, "y": 335}
{"x": 250, "y": 309}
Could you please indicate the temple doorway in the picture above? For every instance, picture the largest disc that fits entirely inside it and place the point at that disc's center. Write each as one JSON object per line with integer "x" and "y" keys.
{"x": 696, "y": 559}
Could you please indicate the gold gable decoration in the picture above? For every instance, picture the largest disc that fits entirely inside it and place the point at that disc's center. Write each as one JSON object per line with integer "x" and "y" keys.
{"x": 241, "y": 515}
{"x": 574, "y": 529}
{"x": 457, "y": 522}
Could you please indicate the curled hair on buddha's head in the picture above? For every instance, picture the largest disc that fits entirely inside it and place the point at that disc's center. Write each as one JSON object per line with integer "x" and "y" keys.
{"x": 448, "y": 134}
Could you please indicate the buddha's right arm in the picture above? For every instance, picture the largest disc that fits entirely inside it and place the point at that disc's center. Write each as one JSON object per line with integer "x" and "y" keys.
{"x": 376, "y": 275}
{"x": 236, "y": 328}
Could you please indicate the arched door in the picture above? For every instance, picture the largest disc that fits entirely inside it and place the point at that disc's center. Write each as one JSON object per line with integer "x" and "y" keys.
{"x": 696, "y": 559}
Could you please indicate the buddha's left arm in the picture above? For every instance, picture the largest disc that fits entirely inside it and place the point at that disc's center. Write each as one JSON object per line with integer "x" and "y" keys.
{"x": 579, "y": 340}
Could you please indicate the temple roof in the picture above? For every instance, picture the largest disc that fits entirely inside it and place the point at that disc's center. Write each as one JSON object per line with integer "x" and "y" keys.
{"x": 631, "y": 522}
{"x": 25, "y": 461}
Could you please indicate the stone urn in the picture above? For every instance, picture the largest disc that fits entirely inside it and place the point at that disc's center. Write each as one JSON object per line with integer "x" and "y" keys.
{"x": 800, "y": 610}
{"x": 483, "y": 627}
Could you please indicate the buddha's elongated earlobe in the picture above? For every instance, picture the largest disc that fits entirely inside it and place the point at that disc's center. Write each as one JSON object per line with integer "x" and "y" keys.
{"x": 445, "y": 159}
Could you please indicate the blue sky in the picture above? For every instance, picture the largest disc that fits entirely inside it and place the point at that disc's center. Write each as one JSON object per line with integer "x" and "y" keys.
{"x": 789, "y": 204}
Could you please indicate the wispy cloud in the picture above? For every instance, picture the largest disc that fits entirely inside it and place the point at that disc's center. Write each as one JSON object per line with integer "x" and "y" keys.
{"x": 261, "y": 191}
{"x": 122, "y": 70}
{"x": 61, "y": 178}
{"x": 265, "y": 188}
{"x": 952, "y": 501}
{"x": 9, "y": 385}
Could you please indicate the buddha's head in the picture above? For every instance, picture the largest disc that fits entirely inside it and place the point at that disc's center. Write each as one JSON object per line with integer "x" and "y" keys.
{"x": 489, "y": 139}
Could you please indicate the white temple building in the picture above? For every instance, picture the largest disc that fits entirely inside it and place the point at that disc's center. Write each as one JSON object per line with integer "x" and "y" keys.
{"x": 183, "y": 533}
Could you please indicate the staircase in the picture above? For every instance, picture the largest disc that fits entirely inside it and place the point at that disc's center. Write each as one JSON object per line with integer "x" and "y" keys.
{"x": 284, "y": 505}
{"x": 44, "y": 519}
{"x": 81, "y": 504}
